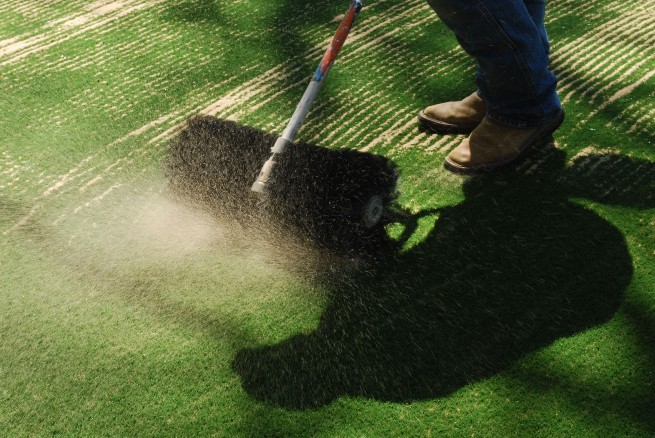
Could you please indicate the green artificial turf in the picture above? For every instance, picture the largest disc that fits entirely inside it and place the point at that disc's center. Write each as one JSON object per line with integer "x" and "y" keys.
{"x": 518, "y": 304}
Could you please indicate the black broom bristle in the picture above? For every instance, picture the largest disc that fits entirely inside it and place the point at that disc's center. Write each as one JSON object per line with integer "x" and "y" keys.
{"x": 317, "y": 194}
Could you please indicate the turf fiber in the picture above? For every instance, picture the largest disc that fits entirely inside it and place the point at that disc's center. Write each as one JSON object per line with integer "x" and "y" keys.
{"x": 134, "y": 301}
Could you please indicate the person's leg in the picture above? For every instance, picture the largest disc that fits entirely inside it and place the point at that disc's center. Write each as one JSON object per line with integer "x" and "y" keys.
{"x": 537, "y": 11}
{"x": 508, "y": 41}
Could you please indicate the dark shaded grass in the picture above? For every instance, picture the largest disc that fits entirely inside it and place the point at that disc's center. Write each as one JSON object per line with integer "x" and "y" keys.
{"x": 642, "y": 323}
{"x": 614, "y": 179}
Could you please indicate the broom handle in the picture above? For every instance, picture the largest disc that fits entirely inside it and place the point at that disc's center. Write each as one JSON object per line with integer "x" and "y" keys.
{"x": 310, "y": 94}
{"x": 321, "y": 73}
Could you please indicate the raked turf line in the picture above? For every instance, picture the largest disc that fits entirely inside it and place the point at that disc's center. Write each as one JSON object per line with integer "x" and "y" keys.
{"x": 122, "y": 312}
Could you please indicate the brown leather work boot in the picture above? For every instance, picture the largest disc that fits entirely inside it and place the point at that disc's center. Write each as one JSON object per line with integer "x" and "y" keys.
{"x": 459, "y": 117}
{"x": 492, "y": 145}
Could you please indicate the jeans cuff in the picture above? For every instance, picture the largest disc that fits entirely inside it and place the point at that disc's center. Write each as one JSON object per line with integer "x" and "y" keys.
{"x": 520, "y": 123}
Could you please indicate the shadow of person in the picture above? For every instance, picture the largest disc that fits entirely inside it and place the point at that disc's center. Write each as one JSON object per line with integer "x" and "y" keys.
{"x": 511, "y": 269}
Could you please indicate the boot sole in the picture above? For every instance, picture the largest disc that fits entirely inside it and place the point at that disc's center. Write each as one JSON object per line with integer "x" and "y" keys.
{"x": 539, "y": 135}
{"x": 439, "y": 127}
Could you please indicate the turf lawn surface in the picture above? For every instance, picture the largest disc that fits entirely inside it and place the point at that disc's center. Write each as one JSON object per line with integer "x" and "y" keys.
{"x": 520, "y": 304}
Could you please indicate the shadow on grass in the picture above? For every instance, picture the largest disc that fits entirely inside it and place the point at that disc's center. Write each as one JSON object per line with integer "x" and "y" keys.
{"x": 602, "y": 398}
{"x": 511, "y": 269}
{"x": 198, "y": 11}
{"x": 642, "y": 405}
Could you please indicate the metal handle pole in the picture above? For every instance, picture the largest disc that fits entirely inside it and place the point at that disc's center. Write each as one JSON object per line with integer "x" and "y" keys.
{"x": 302, "y": 109}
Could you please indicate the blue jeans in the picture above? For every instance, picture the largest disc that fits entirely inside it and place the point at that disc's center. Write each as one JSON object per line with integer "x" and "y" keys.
{"x": 509, "y": 42}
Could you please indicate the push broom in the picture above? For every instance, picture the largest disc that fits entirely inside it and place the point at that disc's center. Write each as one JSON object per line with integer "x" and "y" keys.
{"x": 332, "y": 198}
